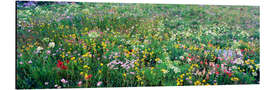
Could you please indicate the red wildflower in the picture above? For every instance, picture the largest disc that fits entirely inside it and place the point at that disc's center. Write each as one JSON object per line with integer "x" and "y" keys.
{"x": 67, "y": 61}
{"x": 201, "y": 62}
{"x": 201, "y": 47}
{"x": 61, "y": 65}
{"x": 79, "y": 83}
{"x": 217, "y": 65}
{"x": 242, "y": 50}
{"x": 89, "y": 76}
{"x": 229, "y": 74}
{"x": 217, "y": 73}
{"x": 64, "y": 67}
{"x": 210, "y": 44}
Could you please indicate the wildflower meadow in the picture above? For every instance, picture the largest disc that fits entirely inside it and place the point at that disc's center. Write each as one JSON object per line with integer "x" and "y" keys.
{"x": 92, "y": 45}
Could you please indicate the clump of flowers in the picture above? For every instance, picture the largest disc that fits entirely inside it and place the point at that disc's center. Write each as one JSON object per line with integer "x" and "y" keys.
{"x": 64, "y": 81}
{"x": 61, "y": 65}
{"x": 93, "y": 34}
{"x": 126, "y": 65}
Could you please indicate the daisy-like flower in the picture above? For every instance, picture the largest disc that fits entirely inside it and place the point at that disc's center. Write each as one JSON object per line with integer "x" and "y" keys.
{"x": 39, "y": 48}
{"x": 21, "y": 62}
{"x": 239, "y": 61}
{"x": 64, "y": 81}
{"x": 132, "y": 73}
{"x": 48, "y": 52}
{"x": 20, "y": 55}
{"x": 51, "y": 45}
{"x": 99, "y": 83}
{"x": 254, "y": 73}
{"x": 30, "y": 62}
{"x": 46, "y": 83}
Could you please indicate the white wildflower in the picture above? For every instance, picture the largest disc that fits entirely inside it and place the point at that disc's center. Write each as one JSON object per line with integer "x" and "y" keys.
{"x": 51, "y": 45}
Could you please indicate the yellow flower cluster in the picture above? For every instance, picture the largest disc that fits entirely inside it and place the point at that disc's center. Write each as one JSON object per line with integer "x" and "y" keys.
{"x": 179, "y": 82}
{"x": 235, "y": 79}
{"x": 197, "y": 82}
{"x": 87, "y": 55}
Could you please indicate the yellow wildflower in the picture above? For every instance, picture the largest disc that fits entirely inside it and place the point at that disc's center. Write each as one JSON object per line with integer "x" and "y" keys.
{"x": 247, "y": 62}
{"x": 127, "y": 55}
{"x": 157, "y": 59}
{"x": 138, "y": 77}
{"x": 152, "y": 68}
{"x": 99, "y": 71}
{"x": 85, "y": 29}
{"x": 182, "y": 75}
{"x": 85, "y": 76}
{"x": 142, "y": 83}
{"x": 73, "y": 36}
{"x": 252, "y": 61}
{"x": 136, "y": 68}
{"x": 181, "y": 80}
{"x": 189, "y": 77}
{"x": 197, "y": 82}
{"x": 176, "y": 46}
{"x": 85, "y": 66}
{"x": 81, "y": 73}
{"x": 204, "y": 81}
{"x": 73, "y": 58}
{"x": 235, "y": 79}
{"x": 101, "y": 64}
{"x": 178, "y": 83}
{"x": 164, "y": 71}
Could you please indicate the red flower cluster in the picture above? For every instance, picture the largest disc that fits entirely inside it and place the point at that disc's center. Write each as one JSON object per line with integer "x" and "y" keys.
{"x": 61, "y": 65}
{"x": 228, "y": 73}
